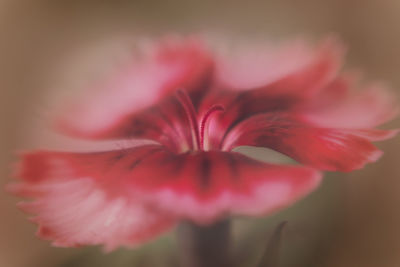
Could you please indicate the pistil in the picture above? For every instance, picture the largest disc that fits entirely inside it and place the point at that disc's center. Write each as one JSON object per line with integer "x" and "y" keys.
{"x": 192, "y": 117}
{"x": 204, "y": 123}
{"x": 198, "y": 125}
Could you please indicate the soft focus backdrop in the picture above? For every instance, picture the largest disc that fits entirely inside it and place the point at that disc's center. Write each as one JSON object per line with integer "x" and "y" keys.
{"x": 48, "y": 48}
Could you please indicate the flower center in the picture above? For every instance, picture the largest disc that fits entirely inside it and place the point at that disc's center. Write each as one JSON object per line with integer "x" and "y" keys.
{"x": 198, "y": 125}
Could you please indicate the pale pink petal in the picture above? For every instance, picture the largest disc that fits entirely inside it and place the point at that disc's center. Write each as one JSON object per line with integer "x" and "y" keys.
{"x": 172, "y": 64}
{"x": 294, "y": 63}
{"x": 82, "y": 199}
{"x": 343, "y": 105}
{"x": 372, "y": 134}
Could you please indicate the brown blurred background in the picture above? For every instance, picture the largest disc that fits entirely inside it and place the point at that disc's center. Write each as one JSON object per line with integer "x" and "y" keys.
{"x": 51, "y": 47}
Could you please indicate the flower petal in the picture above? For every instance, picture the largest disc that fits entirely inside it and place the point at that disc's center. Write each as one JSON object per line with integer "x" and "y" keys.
{"x": 322, "y": 148}
{"x": 171, "y": 65}
{"x": 287, "y": 67}
{"x": 165, "y": 123}
{"x": 125, "y": 197}
{"x": 206, "y": 186}
{"x": 343, "y": 105}
{"x": 242, "y": 105}
{"x": 83, "y": 199}
{"x": 289, "y": 92}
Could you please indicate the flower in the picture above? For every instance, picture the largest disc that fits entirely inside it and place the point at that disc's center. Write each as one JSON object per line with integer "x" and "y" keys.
{"x": 196, "y": 106}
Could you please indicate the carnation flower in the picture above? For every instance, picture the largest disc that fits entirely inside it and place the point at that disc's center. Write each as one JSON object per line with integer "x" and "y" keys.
{"x": 196, "y": 106}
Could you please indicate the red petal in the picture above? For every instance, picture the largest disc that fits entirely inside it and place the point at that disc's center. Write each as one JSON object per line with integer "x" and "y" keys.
{"x": 206, "y": 186}
{"x": 171, "y": 65}
{"x": 83, "y": 198}
{"x": 165, "y": 123}
{"x": 123, "y": 197}
{"x": 287, "y": 93}
{"x": 322, "y": 148}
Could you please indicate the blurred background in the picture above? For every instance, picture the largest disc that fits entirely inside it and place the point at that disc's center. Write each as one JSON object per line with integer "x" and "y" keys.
{"x": 49, "y": 47}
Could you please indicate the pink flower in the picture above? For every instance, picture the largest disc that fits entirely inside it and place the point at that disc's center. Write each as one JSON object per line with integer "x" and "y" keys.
{"x": 197, "y": 106}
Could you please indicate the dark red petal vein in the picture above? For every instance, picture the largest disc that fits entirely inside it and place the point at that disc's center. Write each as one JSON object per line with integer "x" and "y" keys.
{"x": 206, "y": 186}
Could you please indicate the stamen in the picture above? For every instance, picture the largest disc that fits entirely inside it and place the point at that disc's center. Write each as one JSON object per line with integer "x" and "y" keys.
{"x": 191, "y": 115}
{"x": 204, "y": 121}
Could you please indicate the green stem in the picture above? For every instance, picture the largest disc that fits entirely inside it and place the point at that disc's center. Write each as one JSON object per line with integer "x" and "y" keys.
{"x": 205, "y": 246}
